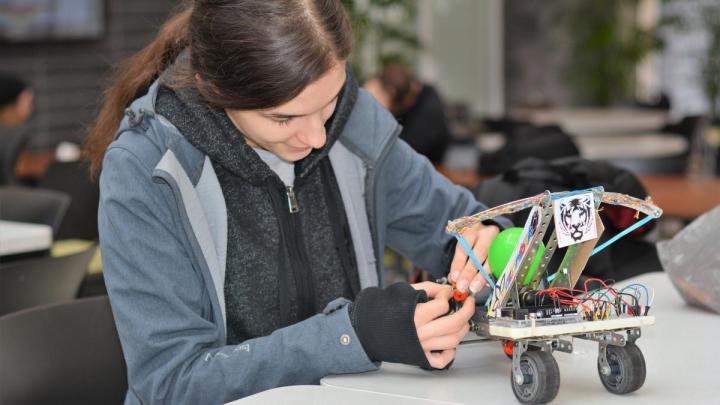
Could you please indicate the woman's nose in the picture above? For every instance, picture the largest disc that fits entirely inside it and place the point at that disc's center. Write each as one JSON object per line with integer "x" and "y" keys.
{"x": 314, "y": 135}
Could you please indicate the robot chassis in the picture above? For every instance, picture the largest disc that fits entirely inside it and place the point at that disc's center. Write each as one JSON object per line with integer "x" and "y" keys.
{"x": 530, "y": 341}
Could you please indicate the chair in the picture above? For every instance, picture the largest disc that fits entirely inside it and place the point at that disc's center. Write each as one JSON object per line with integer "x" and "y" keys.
{"x": 32, "y": 282}
{"x": 66, "y": 353}
{"x": 689, "y": 127}
{"x": 92, "y": 285}
{"x": 33, "y": 205}
{"x": 80, "y": 221}
{"x": 11, "y": 144}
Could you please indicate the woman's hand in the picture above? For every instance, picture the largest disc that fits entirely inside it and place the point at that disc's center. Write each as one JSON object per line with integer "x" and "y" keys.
{"x": 439, "y": 333}
{"x": 462, "y": 271}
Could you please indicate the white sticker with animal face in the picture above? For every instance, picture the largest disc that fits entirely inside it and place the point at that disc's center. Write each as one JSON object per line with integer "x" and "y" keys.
{"x": 575, "y": 219}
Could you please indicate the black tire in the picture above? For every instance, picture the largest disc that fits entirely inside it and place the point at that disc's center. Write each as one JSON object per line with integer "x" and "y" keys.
{"x": 627, "y": 369}
{"x": 541, "y": 378}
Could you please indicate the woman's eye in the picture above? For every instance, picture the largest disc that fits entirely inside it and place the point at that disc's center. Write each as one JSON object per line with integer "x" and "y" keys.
{"x": 285, "y": 121}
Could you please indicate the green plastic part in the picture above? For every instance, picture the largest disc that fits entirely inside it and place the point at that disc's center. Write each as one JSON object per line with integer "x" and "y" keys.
{"x": 502, "y": 248}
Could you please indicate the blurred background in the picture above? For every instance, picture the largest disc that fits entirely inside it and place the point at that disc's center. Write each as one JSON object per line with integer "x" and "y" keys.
{"x": 507, "y": 98}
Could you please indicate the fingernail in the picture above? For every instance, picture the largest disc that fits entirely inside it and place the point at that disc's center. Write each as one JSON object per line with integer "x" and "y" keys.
{"x": 462, "y": 285}
{"x": 453, "y": 276}
{"x": 475, "y": 286}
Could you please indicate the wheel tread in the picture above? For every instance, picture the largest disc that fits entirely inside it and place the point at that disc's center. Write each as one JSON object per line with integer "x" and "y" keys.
{"x": 549, "y": 372}
{"x": 631, "y": 367}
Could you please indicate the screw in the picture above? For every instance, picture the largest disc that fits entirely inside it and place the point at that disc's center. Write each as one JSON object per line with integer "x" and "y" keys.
{"x": 519, "y": 379}
{"x": 605, "y": 370}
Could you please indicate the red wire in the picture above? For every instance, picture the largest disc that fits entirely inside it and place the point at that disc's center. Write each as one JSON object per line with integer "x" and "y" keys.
{"x": 556, "y": 293}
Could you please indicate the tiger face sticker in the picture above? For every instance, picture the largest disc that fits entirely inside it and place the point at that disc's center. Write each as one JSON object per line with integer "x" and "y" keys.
{"x": 575, "y": 219}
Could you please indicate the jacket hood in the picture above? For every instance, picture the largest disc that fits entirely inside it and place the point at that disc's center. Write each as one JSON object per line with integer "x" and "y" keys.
{"x": 209, "y": 129}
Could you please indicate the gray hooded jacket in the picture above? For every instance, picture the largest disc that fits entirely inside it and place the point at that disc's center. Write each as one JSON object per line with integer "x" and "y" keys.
{"x": 163, "y": 234}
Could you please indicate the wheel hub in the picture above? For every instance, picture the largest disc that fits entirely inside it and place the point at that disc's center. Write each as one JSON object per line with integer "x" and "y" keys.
{"x": 605, "y": 370}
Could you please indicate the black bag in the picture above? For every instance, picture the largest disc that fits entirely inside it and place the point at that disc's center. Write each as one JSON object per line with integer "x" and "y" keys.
{"x": 533, "y": 176}
{"x": 528, "y": 141}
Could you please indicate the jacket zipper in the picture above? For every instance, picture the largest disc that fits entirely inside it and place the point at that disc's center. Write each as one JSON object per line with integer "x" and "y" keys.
{"x": 291, "y": 235}
{"x": 292, "y": 200}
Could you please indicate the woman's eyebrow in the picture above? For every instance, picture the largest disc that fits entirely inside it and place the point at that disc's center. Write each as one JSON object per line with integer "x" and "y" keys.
{"x": 282, "y": 116}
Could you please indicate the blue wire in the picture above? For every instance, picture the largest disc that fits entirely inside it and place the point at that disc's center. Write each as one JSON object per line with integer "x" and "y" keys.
{"x": 647, "y": 293}
{"x": 466, "y": 247}
{"x": 621, "y": 234}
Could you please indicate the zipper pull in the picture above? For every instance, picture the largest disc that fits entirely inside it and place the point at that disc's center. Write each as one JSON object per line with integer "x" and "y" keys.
{"x": 292, "y": 200}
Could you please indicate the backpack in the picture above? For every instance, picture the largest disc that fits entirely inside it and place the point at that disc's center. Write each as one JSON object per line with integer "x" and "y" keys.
{"x": 528, "y": 141}
{"x": 533, "y": 176}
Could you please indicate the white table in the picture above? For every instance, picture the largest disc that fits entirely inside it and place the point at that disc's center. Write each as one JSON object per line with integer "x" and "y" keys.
{"x": 681, "y": 352}
{"x": 605, "y": 146}
{"x": 631, "y": 146}
{"x": 316, "y": 394}
{"x": 592, "y": 121}
{"x": 20, "y": 237}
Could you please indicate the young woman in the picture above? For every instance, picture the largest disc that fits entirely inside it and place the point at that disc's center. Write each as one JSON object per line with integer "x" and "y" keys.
{"x": 248, "y": 193}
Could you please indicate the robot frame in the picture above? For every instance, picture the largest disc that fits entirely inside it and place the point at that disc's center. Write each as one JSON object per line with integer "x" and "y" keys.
{"x": 520, "y": 313}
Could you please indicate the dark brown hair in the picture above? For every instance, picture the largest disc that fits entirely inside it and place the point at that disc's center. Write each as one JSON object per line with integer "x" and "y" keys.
{"x": 11, "y": 86}
{"x": 248, "y": 54}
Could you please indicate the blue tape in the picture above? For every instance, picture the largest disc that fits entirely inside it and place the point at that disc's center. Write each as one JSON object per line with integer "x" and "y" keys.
{"x": 623, "y": 233}
{"x": 466, "y": 247}
{"x": 569, "y": 193}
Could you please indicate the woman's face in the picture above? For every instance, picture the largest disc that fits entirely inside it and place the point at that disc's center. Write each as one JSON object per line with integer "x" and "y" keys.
{"x": 292, "y": 130}
{"x": 18, "y": 112}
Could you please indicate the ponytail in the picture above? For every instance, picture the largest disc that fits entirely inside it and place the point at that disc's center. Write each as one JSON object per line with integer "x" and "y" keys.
{"x": 130, "y": 80}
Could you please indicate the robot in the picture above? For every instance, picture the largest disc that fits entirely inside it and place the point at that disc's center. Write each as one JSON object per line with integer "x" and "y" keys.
{"x": 535, "y": 311}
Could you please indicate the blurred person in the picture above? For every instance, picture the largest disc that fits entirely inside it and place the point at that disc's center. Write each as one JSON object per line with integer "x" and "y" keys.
{"x": 417, "y": 107}
{"x": 248, "y": 189}
{"x": 16, "y": 101}
{"x": 16, "y": 106}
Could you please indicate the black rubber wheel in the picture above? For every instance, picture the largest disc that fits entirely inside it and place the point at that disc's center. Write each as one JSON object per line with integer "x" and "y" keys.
{"x": 541, "y": 378}
{"x": 627, "y": 369}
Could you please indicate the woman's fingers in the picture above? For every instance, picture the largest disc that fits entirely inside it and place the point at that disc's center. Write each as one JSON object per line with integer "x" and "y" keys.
{"x": 478, "y": 282}
{"x": 460, "y": 257}
{"x": 440, "y": 336}
{"x": 481, "y": 238}
{"x": 449, "y": 341}
{"x": 467, "y": 274}
{"x": 436, "y": 307}
{"x": 449, "y": 324}
{"x": 432, "y": 289}
{"x": 440, "y": 359}
{"x": 485, "y": 237}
